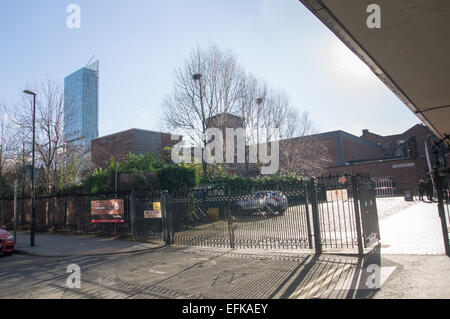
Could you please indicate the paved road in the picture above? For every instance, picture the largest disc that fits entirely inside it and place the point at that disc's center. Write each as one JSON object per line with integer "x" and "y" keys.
{"x": 189, "y": 273}
{"x": 68, "y": 245}
{"x": 183, "y": 272}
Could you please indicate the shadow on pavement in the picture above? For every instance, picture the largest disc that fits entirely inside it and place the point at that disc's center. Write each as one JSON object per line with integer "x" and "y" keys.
{"x": 180, "y": 272}
{"x": 336, "y": 277}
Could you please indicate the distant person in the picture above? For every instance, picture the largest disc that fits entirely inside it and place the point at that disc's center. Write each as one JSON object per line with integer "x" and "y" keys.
{"x": 445, "y": 189}
{"x": 421, "y": 189}
{"x": 429, "y": 190}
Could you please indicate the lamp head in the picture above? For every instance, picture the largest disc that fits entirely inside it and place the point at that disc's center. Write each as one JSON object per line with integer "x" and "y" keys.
{"x": 29, "y": 92}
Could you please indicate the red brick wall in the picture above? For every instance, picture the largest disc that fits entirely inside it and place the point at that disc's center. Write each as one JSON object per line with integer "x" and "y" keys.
{"x": 331, "y": 144}
{"x": 117, "y": 145}
{"x": 404, "y": 178}
{"x": 421, "y": 132}
{"x": 166, "y": 141}
{"x": 358, "y": 150}
{"x": 120, "y": 145}
{"x": 353, "y": 148}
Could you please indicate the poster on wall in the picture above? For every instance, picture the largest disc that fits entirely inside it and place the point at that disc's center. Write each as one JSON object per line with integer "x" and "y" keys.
{"x": 107, "y": 211}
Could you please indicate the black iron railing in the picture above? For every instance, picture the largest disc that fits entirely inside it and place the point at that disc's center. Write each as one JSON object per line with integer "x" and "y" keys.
{"x": 326, "y": 213}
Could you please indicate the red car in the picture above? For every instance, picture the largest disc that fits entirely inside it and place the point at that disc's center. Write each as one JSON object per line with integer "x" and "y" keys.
{"x": 6, "y": 241}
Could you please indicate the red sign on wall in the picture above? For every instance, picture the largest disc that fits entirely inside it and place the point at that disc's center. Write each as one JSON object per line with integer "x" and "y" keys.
{"x": 107, "y": 211}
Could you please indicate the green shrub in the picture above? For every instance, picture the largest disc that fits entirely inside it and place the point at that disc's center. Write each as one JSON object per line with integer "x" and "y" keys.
{"x": 140, "y": 163}
{"x": 174, "y": 178}
{"x": 236, "y": 181}
{"x": 98, "y": 182}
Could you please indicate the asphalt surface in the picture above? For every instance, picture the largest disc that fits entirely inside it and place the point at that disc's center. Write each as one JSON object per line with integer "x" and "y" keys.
{"x": 134, "y": 271}
{"x": 194, "y": 273}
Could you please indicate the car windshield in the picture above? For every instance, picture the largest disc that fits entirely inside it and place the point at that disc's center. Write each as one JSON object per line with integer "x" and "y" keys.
{"x": 260, "y": 195}
{"x": 278, "y": 193}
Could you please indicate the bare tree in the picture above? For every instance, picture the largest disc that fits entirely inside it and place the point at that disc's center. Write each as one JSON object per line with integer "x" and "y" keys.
{"x": 49, "y": 143}
{"x": 252, "y": 108}
{"x": 301, "y": 151}
{"x": 9, "y": 140}
{"x": 210, "y": 83}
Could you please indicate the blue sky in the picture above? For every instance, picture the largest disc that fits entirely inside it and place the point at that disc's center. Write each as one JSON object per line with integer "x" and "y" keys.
{"x": 140, "y": 42}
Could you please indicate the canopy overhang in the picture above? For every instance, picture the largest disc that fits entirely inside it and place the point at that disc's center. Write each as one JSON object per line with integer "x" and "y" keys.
{"x": 410, "y": 53}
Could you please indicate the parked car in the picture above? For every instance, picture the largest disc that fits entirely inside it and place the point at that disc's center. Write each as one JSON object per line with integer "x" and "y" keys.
{"x": 6, "y": 241}
{"x": 277, "y": 201}
{"x": 270, "y": 202}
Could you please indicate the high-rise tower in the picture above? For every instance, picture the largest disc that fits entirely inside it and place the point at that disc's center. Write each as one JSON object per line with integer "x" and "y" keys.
{"x": 81, "y": 106}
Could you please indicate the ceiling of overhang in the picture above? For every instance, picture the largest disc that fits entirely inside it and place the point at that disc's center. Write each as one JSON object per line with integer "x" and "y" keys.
{"x": 410, "y": 53}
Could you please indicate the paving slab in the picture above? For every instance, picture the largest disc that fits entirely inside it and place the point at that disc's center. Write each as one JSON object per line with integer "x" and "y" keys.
{"x": 197, "y": 273}
{"x": 415, "y": 230}
{"x": 69, "y": 245}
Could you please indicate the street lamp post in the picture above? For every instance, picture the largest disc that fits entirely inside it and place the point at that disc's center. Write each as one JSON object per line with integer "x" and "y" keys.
{"x": 33, "y": 193}
{"x": 259, "y": 101}
{"x": 197, "y": 77}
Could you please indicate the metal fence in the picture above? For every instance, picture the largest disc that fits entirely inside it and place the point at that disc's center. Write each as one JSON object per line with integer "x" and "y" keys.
{"x": 335, "y": 212}
{"x": 68, "y": 212}
{"x": 328, "y": 213}
{"x": 146, "y": 219}
{"x": 384, "y": 187}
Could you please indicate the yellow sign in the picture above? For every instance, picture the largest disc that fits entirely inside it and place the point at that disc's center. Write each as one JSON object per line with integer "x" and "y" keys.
{"x": 212, "y": 214}
{"x": 157, "y": 206}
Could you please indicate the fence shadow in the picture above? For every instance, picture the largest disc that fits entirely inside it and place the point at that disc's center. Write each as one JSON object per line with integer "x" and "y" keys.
{"x": 335, "y": 277}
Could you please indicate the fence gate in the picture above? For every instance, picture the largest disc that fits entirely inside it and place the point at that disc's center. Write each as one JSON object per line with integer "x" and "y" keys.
{"x": 147, "y": 221}
{"x": 384, "y": 187}
{"x": 347, "y": 213}
{"x": 330, "y": 213}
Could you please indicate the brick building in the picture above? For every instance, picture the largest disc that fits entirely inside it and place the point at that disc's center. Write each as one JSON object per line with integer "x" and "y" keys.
{"x": 400, "y": 145}
{"x": 341, "y": 146}
{"x": 223, "y": 121}
{"x": 398, "y": 158}
{"x": 402, "y": 161}
{"x": 134, "y": 141}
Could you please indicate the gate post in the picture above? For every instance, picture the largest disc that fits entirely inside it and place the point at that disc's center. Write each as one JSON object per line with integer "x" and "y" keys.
{"x": 355, "y": 187}
{"x": 132, "y": 208}
{"x": 440, "y": 198}
{"x": 315, "y": 215}
{"x": 230, "y": 220}
{"x": 166, "y": 219}
{"x": 308, "y": 219}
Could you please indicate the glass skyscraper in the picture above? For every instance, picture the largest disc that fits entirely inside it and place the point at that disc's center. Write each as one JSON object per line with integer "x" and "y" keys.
{"x": 81, "y": 106}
